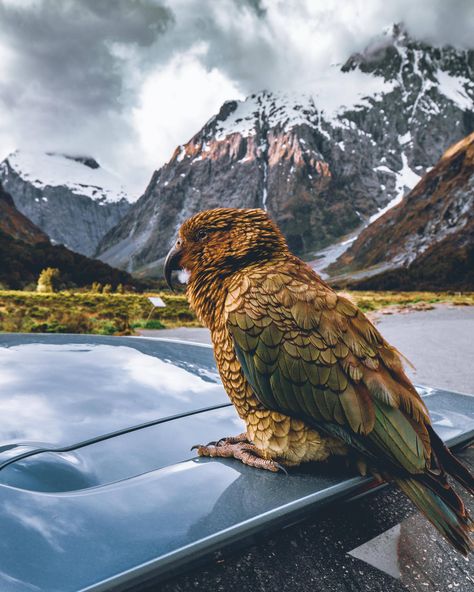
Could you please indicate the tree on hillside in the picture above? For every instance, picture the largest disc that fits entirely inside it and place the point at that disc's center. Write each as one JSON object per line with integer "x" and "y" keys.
{"x": 96, "y": 287}
{"x": 48, "y": 280}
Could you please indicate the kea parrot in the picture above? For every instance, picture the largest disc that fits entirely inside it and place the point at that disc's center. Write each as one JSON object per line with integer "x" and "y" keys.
{"x": 306, "y": 370}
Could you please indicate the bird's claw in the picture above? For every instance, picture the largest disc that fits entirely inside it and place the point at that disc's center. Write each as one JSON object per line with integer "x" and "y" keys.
{"x": 281, "y": 468}
{"x": 221, "y": 442}
{"x": 247, "y": 453}
{"x": 239, "y": 439}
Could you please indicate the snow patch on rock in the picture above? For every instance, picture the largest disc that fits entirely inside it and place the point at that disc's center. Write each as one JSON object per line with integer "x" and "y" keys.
{"x": 406, "y": 179}
{"x": 454, "y": 88}
{"x": 56, "y": 170}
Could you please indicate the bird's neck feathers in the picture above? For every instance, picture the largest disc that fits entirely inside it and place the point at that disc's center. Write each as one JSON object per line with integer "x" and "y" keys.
{"x": 206, "y": 294}
{"x": 207, "y": 289}
{"x": 243, "y": 249}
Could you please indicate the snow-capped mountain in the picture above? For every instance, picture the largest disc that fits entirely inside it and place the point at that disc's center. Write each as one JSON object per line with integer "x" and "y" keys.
{"x": 25, "y": 250}
{"x": 426, "y": 241}
{"x": 322, "y": 164}
{"x": 71, "y": 198}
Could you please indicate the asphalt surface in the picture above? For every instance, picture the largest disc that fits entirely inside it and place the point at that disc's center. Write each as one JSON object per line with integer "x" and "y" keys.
{"x": 378, "y": 543}
{"x": 439, "y": 343}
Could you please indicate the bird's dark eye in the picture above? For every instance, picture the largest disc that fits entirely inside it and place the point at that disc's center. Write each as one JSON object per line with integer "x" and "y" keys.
{"x": 201, "y": 234}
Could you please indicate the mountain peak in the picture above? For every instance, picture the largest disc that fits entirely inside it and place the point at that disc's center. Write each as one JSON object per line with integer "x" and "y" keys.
{"x": 430, "y": 236}
{"x": 261, "y": 109}
{"x": 396, "y": 32}
{"x": 396, "y": 55}
{"x": 322, "y": 164}
{"x": 70, "y": 197}
{"x": 80, "y": 173}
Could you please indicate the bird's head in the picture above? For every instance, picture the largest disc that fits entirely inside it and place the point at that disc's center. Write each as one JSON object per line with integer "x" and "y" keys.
{"x": 224, "y": 240}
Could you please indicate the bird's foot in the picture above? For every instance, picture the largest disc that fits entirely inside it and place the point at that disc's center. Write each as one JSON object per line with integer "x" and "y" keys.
{"x": 241, "y": 450}
{"x": 239, "y": 439}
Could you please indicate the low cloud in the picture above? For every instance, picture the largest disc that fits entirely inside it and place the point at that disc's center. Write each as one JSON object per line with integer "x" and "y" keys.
{"x": 129, "y": 80}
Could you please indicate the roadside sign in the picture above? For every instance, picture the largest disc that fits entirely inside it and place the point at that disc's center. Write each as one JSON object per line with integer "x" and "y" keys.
{"x": 157, "y": 301}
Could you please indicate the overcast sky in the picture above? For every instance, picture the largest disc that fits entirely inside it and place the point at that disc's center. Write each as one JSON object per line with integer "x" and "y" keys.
{"x": 126, "y": 81}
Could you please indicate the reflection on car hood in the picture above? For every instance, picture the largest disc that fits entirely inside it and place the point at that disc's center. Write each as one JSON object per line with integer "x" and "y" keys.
{"x": 61, "y": 390}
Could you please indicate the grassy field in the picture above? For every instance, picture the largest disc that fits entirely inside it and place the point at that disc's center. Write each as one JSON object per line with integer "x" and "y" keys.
{"x": 79, "y": 312}
{"x": 124, "y": 314}
{"x": 374, "y": 301}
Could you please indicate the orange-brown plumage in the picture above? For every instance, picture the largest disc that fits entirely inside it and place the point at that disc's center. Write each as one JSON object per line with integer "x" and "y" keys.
{"x": 309, "y": 374}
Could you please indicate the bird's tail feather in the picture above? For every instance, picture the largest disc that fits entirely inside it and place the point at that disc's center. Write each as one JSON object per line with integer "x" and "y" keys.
{"x": 443, "y": 508}
{"x": 450, "y": 463}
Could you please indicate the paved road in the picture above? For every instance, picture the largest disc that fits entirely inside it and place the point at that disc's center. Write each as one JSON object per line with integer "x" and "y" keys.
{"x": 439, "y": 343}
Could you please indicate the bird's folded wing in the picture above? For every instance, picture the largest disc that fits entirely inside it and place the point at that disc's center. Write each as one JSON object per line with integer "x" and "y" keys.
{"x": 312, "y": 354}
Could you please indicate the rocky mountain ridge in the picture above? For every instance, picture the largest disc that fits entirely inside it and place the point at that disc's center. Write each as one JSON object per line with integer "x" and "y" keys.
{"x": 71, "y": 198}
{"x": 321, "y": 170}
{"x": 429, "y": 235}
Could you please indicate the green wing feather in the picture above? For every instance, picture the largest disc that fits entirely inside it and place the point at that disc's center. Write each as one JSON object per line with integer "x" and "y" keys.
{"x": 311, "y": 354}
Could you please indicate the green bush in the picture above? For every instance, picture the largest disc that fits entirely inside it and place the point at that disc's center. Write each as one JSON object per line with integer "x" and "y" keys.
{"x": 106, "y": 328}
{"x": 151, "y": 324}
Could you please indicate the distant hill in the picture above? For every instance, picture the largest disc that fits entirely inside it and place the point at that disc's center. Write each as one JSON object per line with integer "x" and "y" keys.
{"x": 71, "y": 198}
{"x": 427, "y": 241}
{"x": 448, "y": 265}
{"x": 25, "y": 250}
{"x": 322, "y": 165}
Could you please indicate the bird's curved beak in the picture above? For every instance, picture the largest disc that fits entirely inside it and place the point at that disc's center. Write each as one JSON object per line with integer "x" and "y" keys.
{"x": 172, "y": 263}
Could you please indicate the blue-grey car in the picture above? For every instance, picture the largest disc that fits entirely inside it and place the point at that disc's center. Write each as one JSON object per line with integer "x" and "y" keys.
{"x": 99, "y": 489}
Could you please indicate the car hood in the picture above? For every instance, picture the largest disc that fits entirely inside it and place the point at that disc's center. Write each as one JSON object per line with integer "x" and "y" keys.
{"x": 99, "y": 488}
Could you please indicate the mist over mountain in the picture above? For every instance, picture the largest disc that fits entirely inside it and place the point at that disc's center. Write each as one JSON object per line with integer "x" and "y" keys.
{"x": 320, "y": 169}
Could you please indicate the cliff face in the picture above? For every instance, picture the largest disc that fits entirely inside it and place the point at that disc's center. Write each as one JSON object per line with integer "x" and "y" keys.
{"x": 71, "y": 199}
{"x": 15, "y": 224}
{"x": 320, "y": 170}
{"x": 431, "y": 232}
{"x": 253, "y": 161}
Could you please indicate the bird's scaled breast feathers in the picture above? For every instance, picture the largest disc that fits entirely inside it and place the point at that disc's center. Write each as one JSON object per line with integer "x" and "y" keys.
{"x": 311, "y": 354}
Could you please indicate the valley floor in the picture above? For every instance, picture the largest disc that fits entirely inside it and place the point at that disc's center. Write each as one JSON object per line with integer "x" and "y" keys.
{"x": 89, "y": 312}
{"x": 131, "y": 313}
